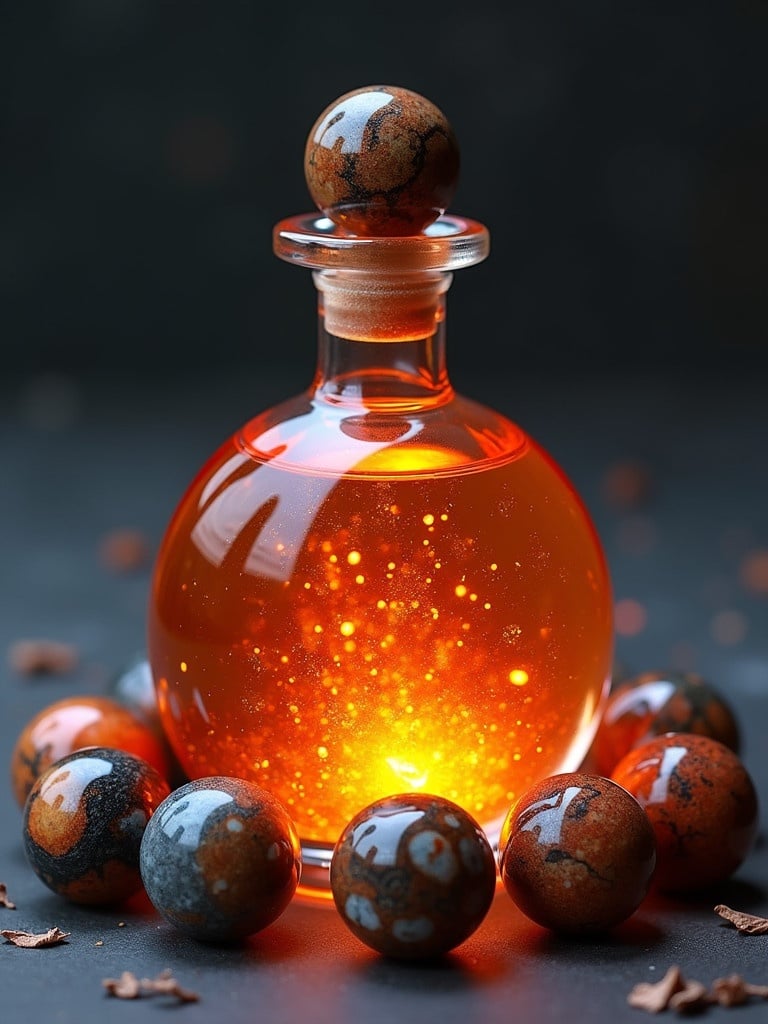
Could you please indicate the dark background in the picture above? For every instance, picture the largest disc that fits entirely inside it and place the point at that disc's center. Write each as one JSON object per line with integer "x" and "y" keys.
{"x": 618, "y": 153}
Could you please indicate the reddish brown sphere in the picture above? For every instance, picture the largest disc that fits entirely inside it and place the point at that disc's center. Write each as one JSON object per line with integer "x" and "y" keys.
{"x": 654, "y": 703}
{"x": 73, "y": 723}
{"x": 413, "y": 876}
{"x": 381, "y": 161}
{"x": 701, "y": 802}
{"x": 577, "y": 853}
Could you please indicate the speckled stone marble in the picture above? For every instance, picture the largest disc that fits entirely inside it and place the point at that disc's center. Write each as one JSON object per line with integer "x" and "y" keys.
{"x": 658, "y": 702}
{"x": 75, "y": 722}
{"x": 84, "y": 820}
{"x": 702, "y": 804}
{"x": 221, "y": 859}
{"x": 577, "y": 853}
{"x": 382, "y": 160}
{"x": 413, "y": 876}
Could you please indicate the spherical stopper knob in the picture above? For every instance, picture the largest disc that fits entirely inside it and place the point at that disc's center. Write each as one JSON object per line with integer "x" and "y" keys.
{"x": 382, "y": 161}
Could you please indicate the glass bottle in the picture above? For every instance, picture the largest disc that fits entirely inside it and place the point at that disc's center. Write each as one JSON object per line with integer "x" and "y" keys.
{"x": 380, "y": 585}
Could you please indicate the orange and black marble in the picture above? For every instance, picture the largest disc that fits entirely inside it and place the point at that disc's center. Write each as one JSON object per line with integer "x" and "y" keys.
{"x": 84, "y": 820}
{"x": 413, "y": 876}
{"x": 577, "y": 853}
{"x": 74, "y": 723}
{"x": 701, "y": 802}
{"x": 382, "y": 160}
{"x": 654, "y": 703}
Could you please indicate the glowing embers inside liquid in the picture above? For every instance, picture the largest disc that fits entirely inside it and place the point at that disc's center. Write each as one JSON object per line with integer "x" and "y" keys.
{"x": 339, "y": 638}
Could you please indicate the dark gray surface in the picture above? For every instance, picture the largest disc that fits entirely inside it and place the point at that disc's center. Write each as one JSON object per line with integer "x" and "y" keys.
{"x": 81, "y": 457}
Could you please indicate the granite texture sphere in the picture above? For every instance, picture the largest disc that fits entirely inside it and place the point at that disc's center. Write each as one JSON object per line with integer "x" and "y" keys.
{"x": 413, "y": 876}
{"x": 382, "y": 160}
{"x": 221, "y": 860}
{"x": 654, "y": 703}
{"x": 84, "y": 820}
{"x": 577, "y": 853}
{"x": 701, "y": 802}
{"x": 74, "y": 723}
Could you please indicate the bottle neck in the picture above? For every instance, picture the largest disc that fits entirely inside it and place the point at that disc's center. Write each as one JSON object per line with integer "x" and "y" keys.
{"x": 381, "y": 339}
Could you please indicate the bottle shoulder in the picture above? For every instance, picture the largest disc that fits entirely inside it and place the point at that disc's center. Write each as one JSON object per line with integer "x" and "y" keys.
{"x": 310, "y": 433}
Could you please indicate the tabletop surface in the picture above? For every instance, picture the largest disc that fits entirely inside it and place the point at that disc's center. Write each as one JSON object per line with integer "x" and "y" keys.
{"x": 82, "y": 457}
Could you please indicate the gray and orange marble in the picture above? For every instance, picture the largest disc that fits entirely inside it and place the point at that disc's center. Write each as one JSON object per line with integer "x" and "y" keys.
{"x": 220, "y": 859}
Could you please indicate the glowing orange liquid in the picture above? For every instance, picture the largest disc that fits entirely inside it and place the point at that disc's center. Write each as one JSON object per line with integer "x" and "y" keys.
{"x": 354, "y": 613}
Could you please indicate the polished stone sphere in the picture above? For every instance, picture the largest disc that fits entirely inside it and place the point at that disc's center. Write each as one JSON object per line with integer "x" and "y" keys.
{"x": 702, "y": 804}
{"x": 657, "y": 702}
{"x": 84, "y": 820}
{"x": 221, "y": 860}
{"x": 382, "y": 160}
{"x": 577, "y": 853}
{"x": 413, "y": 876}
{"x": 75, "y": 722}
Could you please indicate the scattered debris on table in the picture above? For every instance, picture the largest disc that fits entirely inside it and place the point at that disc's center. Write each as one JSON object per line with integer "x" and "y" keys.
{"x": 4, "y": 900}
{"x": 747, "y": 924}
{"x": 686, "y": 996}
{"x": 41, "y": 657}
{"x": 128, "y": 986}
{"x": 35, "y": 940}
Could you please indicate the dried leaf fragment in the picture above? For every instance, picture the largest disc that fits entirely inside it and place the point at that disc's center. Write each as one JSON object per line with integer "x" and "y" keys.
{"x": 748, "y": 924}
{"x": 691, "y": 998}
{"x": 730, "y": 991}
{"x": 655, "y": 996}
{"x": 128, "y": 986}
{"x": 125, "y": 987}
{"x": 166, "y": 984}
{"x": 674, "y": 992}
{"x": 41, "y": 657}
{"x": 4, "y": 900}
{"x": 35, "y": 940}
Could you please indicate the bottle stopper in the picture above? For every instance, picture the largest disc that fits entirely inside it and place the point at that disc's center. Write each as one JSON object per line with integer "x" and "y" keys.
{"x": 382, "y": 161}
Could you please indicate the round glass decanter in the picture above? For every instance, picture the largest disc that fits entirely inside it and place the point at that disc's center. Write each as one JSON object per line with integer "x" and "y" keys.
{"x": 380, "y": 585}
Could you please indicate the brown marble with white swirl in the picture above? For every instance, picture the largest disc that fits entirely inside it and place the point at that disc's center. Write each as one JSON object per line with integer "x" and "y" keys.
{"x": 413, "y": 876}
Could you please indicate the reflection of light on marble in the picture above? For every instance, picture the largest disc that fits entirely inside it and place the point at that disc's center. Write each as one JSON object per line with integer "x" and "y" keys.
{"x": 670, "y": 760}
{"x": 655, "y": 695}
{"x": 184, "y": 822}
{"x": 335, "y": 127}
{"x": 546, "y": 817}
{"x": 369, "y": 838}
{"x": 54, "y": 732}
{"x": 63, "y": 789}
